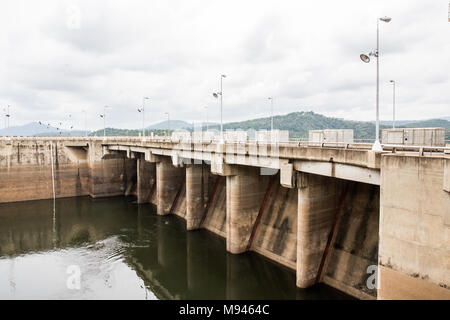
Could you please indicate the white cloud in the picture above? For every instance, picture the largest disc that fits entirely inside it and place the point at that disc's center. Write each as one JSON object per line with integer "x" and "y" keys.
{"x": 59, "y": 57}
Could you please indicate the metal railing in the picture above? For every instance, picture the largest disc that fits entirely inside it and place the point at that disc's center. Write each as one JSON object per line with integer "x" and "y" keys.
{"x": 358, "y": 144}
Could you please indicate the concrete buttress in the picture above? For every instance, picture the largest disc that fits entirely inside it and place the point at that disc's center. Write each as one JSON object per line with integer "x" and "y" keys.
{"x": 318, "y": 198}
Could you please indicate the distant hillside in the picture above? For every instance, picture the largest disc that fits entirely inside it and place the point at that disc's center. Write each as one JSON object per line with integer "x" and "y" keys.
{"x": 174, "y": 125}
{"x": 433, "y": 123}
{"x": 39, "y": 129}
{"x": 126, "y": 132}
{"x": 62, "y": 133}
{"x": 299, "y": 124}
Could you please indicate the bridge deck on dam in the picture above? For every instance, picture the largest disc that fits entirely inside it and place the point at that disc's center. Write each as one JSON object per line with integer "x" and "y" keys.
{"x": 341, "y": 214}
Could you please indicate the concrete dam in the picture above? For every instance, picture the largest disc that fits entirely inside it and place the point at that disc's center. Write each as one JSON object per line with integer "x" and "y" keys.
{"x": 375, "y": 225}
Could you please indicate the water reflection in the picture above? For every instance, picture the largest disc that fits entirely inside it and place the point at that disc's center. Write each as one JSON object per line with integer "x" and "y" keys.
{"x": 126, "y": 251}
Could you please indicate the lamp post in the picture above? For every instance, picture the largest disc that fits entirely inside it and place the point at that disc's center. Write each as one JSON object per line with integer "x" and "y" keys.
{"x": 393, "y": 103}
{"x": 6, "y": 111}
{"x": 85, "y": 122}
{"x": 271, "y": 113}
{"x": 104, "y": 121}
{"x": 168, "y": 123}
{"x": 365, "y": 58}
{"x": 216, "y": 95}
{"x": 207, "y": 125}
{"x": 143, "y": 115}
{"x": 7, "y": 116}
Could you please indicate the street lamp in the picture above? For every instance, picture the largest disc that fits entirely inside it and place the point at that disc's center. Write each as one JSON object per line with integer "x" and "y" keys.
{"x": 216, "y": 95}
{"x": 207, "y": 126}
{"x": 271, "y": 113}
{"x": 104, "y": 121}
{"x": 143, "y": 115}
{"x": 7, "y": 116}
{"x": 393, "y": 103}
{"x": 365, "y": 58}
{"x": 85, "y": 122}
{"x": 168, "y": 123}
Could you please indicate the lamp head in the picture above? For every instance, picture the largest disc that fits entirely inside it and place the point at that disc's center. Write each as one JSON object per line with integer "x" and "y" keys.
{"x": 223, "y": 76}
{"x": 215, "y": 95}
{"x": 385, "y": 19}
{"x": 365, "y": 58}
{"x": 391, "y": 81}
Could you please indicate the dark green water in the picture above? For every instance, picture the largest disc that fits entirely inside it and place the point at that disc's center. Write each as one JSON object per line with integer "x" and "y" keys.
{"x": 125, "y": 251}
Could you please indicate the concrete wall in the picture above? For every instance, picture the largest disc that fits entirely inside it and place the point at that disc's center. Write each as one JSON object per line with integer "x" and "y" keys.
{"x": 326, "y": 229}
{"x": 146, "y": 179}
{"x": 111, "y": 174}
{"x": 356, "y": 244}
{"x": 216, "y": 218}
{"x": 318, "y": 201}
{"x": 414, "y": 254}
{"x": 169, "y": 181}
{"x": 276, "y": 236}
{"x": 245, "y": 192}
{"x": 25, "y": 171}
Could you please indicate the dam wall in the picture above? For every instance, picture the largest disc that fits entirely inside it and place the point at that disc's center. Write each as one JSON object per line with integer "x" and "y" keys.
{"x": 79, "y": 169}
{"x": 414, "y": 252}
{"x": 26, "y": 172}
{"x": 379, "y": 230}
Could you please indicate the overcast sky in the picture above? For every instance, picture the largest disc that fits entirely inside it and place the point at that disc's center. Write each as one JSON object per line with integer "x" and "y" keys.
{"x": 60, "y": 57}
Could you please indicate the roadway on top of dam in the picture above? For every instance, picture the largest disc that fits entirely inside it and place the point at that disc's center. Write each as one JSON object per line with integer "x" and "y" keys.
{"x": 349, "y": 161}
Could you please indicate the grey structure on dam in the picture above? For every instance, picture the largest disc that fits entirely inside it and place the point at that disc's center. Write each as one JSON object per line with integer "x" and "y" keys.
{"x": 328, "y": 211}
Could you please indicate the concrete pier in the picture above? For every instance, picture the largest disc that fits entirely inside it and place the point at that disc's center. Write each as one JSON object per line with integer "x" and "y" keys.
{"x": 168, "y": 181}
{"x": 245, "y": 191}
{"x": 318, "y": 200}
{"x": 146, "y": 179}
{"x": 195, "y": 200}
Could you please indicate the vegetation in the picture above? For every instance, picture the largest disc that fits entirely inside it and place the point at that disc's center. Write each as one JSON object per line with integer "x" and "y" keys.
{"x": 298, "y": 124}
{"x": 125, "y": 132}
{"x": 433, "y": 123}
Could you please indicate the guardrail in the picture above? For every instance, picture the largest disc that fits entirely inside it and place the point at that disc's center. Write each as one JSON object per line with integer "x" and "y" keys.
{"x": 291, "y": 143}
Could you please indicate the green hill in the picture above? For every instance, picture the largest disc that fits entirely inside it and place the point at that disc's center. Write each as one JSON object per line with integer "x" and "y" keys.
{"x": 125, "y": 132}
{"x": 298, "y": 124}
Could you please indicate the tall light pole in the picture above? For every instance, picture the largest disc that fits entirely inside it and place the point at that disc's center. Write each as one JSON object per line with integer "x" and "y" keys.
{"x": 207, "y": 125}
{"x": 393, "y": 103}
{"x": 143, "y": 115}
{"x": 271, "y": 113}
{"x": 104, "y": 121}
{"x": 168, "y": 123}
{"x": 85, "y": 122}
{"x": 216, "y": 95}
{"x": 365, "y": 58}
{"x": 7, "y": 116}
